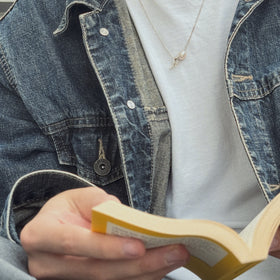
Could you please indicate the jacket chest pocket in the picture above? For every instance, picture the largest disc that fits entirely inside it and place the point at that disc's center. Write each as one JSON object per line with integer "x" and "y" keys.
{"x": 90, "y": 146}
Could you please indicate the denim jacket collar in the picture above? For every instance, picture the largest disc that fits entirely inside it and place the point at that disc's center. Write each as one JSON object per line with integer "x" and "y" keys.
{"x": 244, "y": 7}
{"x": 94, "y": 5}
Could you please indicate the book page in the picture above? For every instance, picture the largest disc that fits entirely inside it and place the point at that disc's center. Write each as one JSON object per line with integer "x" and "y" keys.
{"x": 247, "y": 233}
{"x": 207, "y": 251}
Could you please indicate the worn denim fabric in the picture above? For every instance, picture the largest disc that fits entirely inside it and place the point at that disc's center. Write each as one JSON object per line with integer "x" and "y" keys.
{"x": 73, "y": 76}
{"x": 76, "y": 87}
{"x": 13, "y": 261}
{"x": 77, "y": 90}
{"x": 253, "y": 78}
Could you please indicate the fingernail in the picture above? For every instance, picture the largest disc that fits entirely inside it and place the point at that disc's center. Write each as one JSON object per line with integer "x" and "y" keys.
{"x": 175, "y": 256}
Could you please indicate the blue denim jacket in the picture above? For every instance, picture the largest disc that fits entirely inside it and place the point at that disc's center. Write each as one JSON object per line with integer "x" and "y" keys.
{"x": 80, "y": 106}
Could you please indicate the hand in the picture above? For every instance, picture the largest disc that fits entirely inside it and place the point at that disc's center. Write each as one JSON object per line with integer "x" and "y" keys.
{"x": 60, "y": 244}
{"x": 275, "y": 246}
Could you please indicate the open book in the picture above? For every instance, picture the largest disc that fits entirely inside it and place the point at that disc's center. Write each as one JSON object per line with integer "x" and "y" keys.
{"x": 217, "y": 251}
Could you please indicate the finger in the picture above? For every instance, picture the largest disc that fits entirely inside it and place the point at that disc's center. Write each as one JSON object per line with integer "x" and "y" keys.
{"x": 60, "y": 267}
{"x": 275, "y": 245}
{"x": 66, "y": 239}
{"x": 78, "y": 201}
{"x": 154, "y": 265}
{"x": 158, "y": 262}
{"x": 85, "y": 198}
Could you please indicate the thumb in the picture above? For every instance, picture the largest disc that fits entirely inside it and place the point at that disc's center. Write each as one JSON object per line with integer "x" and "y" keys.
{"x": 275, "y": 245}
{"x": 78, "y": 201}
{"x": 86, "y": 198}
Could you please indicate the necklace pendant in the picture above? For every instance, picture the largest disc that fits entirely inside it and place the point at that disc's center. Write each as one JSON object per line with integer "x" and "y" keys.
{"x": 180, "y": 57}
{"x": 183, "y": 54}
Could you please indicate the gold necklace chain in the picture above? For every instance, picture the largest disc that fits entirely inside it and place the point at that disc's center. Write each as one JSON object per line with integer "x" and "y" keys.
{"x": 182, "y": 54}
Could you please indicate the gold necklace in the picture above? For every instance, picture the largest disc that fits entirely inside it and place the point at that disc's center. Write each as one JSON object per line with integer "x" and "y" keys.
{"x": 182, "y": 54}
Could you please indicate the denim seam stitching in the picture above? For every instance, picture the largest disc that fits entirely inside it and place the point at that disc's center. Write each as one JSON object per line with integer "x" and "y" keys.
{"x": 249, "y": 154}
{"x": 8, "y": 11}
{"x": 266, "y": 92}
{"x": 250, "y": 11}
{"x": 83, "y": 27}
{"x": 68, "y": 123}
{"x": 267, "y": 144}
{"x": 145, "y": 113}
{"x": 62, "y": 149}
{"x": 230, "y": 90}
{"x": 66, "y": 174}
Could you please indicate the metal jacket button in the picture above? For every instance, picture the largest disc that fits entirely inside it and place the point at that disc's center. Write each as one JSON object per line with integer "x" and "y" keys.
{"x": 102, "y": 167}
{"x": 130, "y": 104}
{"x": 104, "y": 31}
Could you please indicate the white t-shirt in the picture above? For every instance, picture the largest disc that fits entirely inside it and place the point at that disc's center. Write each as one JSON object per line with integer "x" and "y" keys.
{"x": 211, "y": 174}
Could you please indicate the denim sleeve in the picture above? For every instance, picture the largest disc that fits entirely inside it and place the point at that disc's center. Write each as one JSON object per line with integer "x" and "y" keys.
{"x": 25, "y": 149}
{"x": 29, "y": 194}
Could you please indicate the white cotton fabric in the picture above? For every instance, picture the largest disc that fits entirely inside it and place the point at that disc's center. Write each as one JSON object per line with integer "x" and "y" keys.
{"x": 212, "y": 177}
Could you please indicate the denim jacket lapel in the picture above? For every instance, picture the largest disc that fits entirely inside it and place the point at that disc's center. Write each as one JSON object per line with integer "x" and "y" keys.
{"x": 92, "y": 5}
{"x": 135, "y": 104}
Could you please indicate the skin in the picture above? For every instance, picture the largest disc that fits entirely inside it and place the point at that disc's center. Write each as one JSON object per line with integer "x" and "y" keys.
{"x": 275, "y": 245}
{"x": 60, "y": 244}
